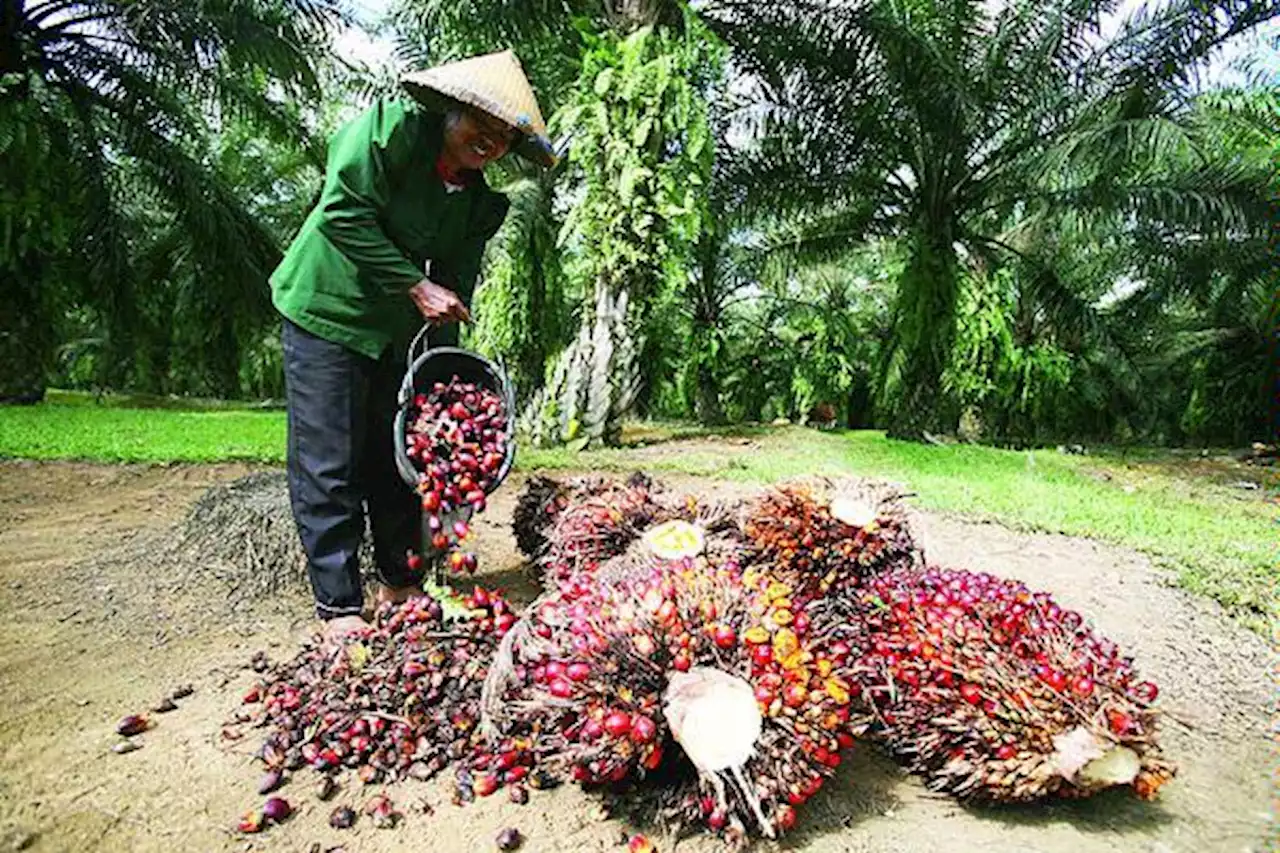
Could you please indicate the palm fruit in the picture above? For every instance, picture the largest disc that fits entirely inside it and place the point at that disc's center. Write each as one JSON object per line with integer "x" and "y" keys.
{"x": 401, "y": 700}
{"x": 994, "y": 692}
{"x": 667, "y": 645}
{"x": 822, "y": 537}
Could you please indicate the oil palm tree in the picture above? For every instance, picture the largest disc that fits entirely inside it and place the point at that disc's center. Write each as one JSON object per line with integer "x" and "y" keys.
{"x": 943, "y": 123}
{"x": 110, "y": 104}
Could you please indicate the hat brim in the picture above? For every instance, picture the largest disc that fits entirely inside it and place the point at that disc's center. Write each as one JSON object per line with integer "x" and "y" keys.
{"x": 534, "y": 147}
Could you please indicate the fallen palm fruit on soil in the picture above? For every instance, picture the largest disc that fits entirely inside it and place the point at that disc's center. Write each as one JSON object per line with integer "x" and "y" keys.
{"x": 133, "y": 724}
{"x": 994, "y": 692}
{"x": 275, "y": 810}
{"x": 509, "y": 839}
{"x": 401, "y": 701}
{"x": 640, "y": 844}
{"x": 456, "y": 438}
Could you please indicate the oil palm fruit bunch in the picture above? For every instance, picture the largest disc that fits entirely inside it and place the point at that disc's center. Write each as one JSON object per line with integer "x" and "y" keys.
{"x": 599, "y": 518}
{"x": 822, "y": 537}
{"x": 541, "y": 500}
{"x": 402, "y": 699}
{"x": 666, "y": 649}
{"x": 994, "y": 692}
{"x": 545, "y": 498}
{"x": 456, "y": 437}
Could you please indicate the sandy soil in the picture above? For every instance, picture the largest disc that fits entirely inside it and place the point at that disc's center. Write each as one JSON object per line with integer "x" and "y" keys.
{"x": 85, "y": 639}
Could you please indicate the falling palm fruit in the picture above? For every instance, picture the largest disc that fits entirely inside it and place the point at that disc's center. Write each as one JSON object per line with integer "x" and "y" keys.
{"x": 456, "y": 437}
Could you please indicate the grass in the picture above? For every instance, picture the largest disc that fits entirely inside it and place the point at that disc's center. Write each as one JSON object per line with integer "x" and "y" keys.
{"x": 62, "y": 430}
{"x": 1219, "y": 540}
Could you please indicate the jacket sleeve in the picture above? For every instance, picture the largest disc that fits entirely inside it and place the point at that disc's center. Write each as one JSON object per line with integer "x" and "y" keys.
{"x": 364, "y": 158}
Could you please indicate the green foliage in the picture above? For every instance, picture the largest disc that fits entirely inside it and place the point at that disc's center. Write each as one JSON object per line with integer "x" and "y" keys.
{"x": 128, "y": 98}
{"x": 642, "y": 148}
{"x": 521, "y": 307}
{"x": 952, "y": 125}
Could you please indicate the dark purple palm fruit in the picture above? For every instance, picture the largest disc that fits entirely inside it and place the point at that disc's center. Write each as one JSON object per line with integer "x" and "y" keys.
{"x": 343, "y": 817}
{"x": 993, "y": 692}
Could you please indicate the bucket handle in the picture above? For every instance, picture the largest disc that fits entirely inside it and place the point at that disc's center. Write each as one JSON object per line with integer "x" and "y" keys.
{"x": 419, "y": 340}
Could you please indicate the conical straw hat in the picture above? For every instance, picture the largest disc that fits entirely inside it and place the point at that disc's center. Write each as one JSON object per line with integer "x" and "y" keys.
{"x": 494, "y": 83}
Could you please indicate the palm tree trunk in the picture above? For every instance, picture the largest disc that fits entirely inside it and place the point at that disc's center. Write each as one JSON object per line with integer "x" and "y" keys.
{"x": 706, "y": 402}
{"x": 595, "y": 381}
{"x": 925, "y": 325}
{"x": 27, "y": 334}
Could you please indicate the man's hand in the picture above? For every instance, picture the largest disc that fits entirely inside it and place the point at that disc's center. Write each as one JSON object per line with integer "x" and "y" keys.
{"x": 438, "y": 304}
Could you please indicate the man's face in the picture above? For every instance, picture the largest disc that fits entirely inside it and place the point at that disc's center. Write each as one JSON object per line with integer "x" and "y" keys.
{"x": 477, "y": 139}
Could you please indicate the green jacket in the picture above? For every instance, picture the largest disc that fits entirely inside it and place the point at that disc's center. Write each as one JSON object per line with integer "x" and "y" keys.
{"x": 383, "y": 213}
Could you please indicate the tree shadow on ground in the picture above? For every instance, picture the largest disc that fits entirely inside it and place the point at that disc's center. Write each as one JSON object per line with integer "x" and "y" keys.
{"x": 870, "y": 784}
{"x": 867, "y": 784}
{"x": 516, "y": 580}
{"x": 646, "y": 436}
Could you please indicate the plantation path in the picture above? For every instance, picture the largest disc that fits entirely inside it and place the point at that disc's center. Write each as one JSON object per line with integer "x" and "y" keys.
{"x": 85, "y": 639}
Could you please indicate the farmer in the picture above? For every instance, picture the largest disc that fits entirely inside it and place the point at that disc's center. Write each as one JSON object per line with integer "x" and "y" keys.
{"x": 403, "y": 188}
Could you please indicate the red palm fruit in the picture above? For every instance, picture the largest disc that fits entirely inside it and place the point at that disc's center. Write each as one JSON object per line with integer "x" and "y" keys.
{"x": 617, "y": 724}
{"x": 640, "y": 844}
{"x": 643, "y": 729}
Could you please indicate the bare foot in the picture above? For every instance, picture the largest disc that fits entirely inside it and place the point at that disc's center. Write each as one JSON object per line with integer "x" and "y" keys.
{"x": 395, "y": 594}
{"x": 342, "y": 627}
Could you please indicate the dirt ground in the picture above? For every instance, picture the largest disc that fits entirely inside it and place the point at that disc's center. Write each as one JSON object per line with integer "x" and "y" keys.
{"x": 84, "y": 641}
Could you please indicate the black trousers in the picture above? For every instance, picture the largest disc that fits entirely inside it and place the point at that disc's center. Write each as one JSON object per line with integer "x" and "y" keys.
{"x": 341, "y": 408}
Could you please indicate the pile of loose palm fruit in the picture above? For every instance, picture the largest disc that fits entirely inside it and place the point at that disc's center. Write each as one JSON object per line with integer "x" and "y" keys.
{"x": 736, "y": 649}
